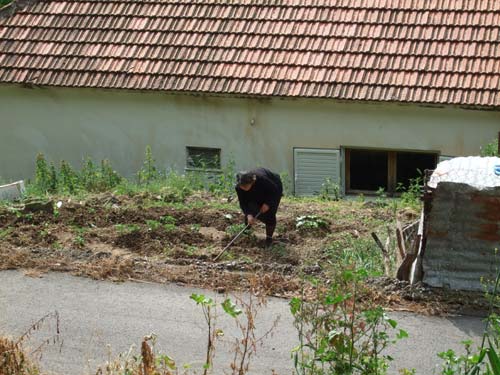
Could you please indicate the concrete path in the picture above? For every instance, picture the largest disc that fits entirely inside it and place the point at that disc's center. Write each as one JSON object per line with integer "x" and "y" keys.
{"x": 97, "y": 316}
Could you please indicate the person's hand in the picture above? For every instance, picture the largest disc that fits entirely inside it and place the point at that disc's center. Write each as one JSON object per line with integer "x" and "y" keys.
{"x": 250, "y": 220}
{"x": 264, "y": 208}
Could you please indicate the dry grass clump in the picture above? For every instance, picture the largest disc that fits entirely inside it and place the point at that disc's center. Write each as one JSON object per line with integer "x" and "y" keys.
{"x": 148, "y": 363}
{"x": 13, "y": 359}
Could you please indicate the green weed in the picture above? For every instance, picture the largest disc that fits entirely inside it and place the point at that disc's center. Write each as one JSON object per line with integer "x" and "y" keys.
{"x": 79, "y": 241}
{"x": 167, "y": 219}
{"x": 127, "y": 228}
{"x": 153, "y": 225}
{"x": 195, "y": 228}
{"x": 169, "y": 228}
{"x": 148, "y": 172}
{"x": 490, "y": 149}
{"x": 329, "y": 190}
{"x": 234, "y": 229}
{"x": 5, "y": 232}
{"x": 410, "y": 196}
{"x": 192, "y": 250}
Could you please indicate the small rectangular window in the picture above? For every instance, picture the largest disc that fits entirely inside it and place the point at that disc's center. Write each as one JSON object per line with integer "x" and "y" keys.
{"x": 203, "y": 158}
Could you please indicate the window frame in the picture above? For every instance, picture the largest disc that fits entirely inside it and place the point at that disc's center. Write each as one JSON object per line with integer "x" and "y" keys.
{"x": 197, "y": 169}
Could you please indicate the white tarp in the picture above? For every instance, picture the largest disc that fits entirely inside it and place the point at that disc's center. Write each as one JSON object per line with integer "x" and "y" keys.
{"x": 479, "y": 172}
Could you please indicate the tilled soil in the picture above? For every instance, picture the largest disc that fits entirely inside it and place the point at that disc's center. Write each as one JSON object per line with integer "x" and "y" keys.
{"x": 144, "y": 239}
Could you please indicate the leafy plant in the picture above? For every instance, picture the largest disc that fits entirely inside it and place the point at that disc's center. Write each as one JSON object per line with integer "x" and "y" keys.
{"x": 5, "y": 232}
{"x": 127, "y": 228}
{"x": 169, "y": 223}
{"x": 329, "y": 190}
{"x": 207, "y": 306}
{"x": 98, "y": 179}
{"x": 310, "y": 222}
{"x": 169, "y": 228}
{"x": 45, "y": 179}
{"x": 79, "y": 240}
{"x": 223, "y": 183}
{"x": 167, "y": 219}
{"x": 109, "y": 177}
{"x": 234, "y": 229}
{"x": 153, "y": 225}
{"x": 485, "y": 360}
{"x": 361, "y": 253}
{"x": 490, "y": 149}
{"x": 148, "y": 172}
{"x": 410, "y": 196}
{"x": 68, "y": 178}
{"x": 339, "y": 336}
{"x": 381, "y": 200}
{"x": 195, "y": 228}
{"x": 287, "y": 184}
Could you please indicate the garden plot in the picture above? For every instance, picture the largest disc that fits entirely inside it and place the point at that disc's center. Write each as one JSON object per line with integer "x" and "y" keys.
{"x": 145, "y": 238}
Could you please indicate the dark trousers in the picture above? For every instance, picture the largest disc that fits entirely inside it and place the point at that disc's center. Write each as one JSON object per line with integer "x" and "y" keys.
{"x": 268, "y": 218}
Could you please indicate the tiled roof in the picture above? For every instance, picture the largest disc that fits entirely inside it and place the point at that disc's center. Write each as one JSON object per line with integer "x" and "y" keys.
{"x": 420, "y": 51}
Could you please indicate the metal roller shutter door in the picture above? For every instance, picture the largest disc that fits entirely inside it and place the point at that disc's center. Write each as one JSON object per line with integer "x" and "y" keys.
{"x": 312, "y": 167}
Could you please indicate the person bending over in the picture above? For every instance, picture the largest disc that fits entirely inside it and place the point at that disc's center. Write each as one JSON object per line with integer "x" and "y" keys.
{"x": 260, "y": 190}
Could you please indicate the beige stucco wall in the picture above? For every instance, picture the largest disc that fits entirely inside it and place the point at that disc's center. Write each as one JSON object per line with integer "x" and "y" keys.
{"x": 73, "y": 123}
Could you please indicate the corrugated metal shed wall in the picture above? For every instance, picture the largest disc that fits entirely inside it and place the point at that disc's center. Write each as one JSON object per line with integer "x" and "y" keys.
{"x": 463, "y": 233}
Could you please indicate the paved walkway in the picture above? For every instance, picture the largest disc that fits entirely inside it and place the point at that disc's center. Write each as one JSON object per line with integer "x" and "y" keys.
{"x": 98, "y": 315}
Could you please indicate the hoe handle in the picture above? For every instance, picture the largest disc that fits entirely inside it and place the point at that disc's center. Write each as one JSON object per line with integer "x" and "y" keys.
{"x": 234, "y": 239}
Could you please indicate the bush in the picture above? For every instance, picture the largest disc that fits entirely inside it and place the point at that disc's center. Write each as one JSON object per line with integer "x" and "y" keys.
{"x": 491, "y": 149}
{"x": 338, "y": 335}
{"x": 66, "y": 180}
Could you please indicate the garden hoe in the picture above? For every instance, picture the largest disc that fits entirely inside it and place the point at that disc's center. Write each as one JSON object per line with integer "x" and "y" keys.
{"x": 234, "y": 239}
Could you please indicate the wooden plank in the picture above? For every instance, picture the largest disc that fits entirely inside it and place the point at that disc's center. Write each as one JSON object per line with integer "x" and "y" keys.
{"x": 385, "y": 252}
{"x": 391, "y": 172}
{"x": 348, "y": 170}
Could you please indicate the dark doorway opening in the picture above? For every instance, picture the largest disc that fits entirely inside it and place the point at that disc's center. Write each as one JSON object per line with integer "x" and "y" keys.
{"x": 367, "y": 171}
{"x": 410, "y": 165}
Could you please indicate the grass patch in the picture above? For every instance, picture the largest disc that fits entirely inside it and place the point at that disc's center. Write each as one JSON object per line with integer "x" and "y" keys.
{"x": 127, "y": 228}
{"x": 362, "y": 253}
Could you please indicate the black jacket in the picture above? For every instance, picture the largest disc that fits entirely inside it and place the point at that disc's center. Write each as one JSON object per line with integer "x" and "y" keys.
{"x": 267, "y": 189}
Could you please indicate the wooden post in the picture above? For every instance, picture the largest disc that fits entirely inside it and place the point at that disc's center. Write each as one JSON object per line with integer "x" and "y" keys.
{"x": 385, "y": 253}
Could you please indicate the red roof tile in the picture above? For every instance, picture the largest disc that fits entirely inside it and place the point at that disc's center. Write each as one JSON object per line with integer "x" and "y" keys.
{"x": 433, "y": 51}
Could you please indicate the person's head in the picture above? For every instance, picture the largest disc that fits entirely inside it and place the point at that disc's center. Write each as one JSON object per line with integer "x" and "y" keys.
{"x": 245, "y": 180}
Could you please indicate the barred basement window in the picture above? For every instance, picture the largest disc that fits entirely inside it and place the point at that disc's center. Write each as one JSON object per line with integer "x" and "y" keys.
{"x": 203, "y": 158}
